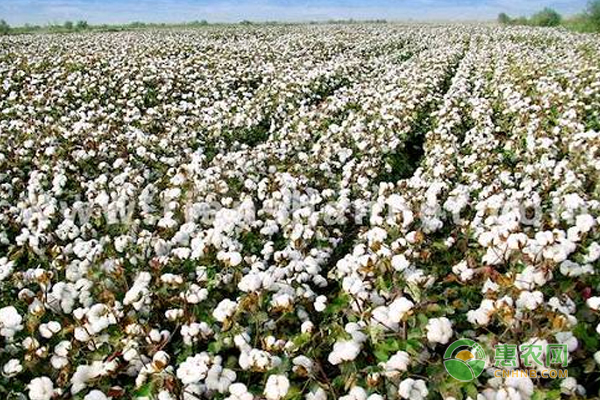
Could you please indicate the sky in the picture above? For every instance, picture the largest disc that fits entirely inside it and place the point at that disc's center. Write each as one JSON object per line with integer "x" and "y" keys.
{"x": 19, "y": 12}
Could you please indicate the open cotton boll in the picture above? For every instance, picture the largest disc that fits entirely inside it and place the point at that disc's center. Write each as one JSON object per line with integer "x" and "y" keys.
{"x": 224, "y": 310}
{"x": 346, "y": 350}
{"x": 193, "y": 369}
{"x": 320, "y": 303}
{"x": 10, "y": 322}
{"x": 12, "y": 368}
{"x": 41, "y": 388}
{"x": 95, "y": 395}
{"x": 399, "y": 308}
{"x": 277, "y": 387}
{"x": 356, "y": 393}
{"x": 439, "y": 330}
{"x": 397, "y": 364}
{"x": 411, "y": 389}
{"x": 238, "y": 391}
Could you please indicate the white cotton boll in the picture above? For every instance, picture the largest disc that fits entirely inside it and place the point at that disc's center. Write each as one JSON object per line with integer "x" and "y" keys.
{"x": 87, "y": 373}
{"x": 41, "y": 388}
{"x": 48, "y": 330}
{"x": 139, "y": 293}
{"x": 439, "y": 330}
{"x": 316, "y": 394}
{"x": 81, "y": 334}
{"x": 10, "y": 322}
{"x": 569, "y": 339}
{"x": 12, "y": 368}
{"x": 399, "y": 308}
{"x": 482, "y": 315}
{"x": 250, "y": 283}
{"x": 523, "y": 385}
{"x": 95, "y": 395}
{"x": 277, "y": 387}
{"x": 225, "y": 309}
{"x": 585, "y": 222}
{"x": 570, "y": 387}
{"x": 307, "y": 327}
{"x": 6, "y": 268}
{"x": 219, "y": 378}
{"x": 320, "y": 303}
{"x": 413, "y": 389}
{"x": 346, "y": 350}
{"x": 164, "y": 395}
{"x": 174, "y": 314}
{"x": 396, "y": 364}
{"x": 593, "y": 253}
{"x": 195, "y": 294}
{"x": 197, "y": 245}
{"x": 282, "y": 301}
{"x": 160, "y": 360}
{"x": 193, "y": 369}
{"x": 356, "y": 393}
{"x": 489, "y": 286}
{"x": 99, "y": 317}
{"x": 400, "y": 263}
{"x": 235, "y": 258}
{"x": 302, "y": 362}
{"x": 593, "y": 303}
{"x": 530, "y": 300}
{"x": 597, "y": 357}
{"x": 239, "y": 391}
{"x": 463, "y": 271}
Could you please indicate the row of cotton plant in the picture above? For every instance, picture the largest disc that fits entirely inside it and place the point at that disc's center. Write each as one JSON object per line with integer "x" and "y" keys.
{"x": 295, "y": 211}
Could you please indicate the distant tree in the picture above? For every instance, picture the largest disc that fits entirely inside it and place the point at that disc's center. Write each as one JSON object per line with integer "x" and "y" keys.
{"x": 546, "y": 17}
{"x": 520, "y": 21}
{"x": 81, "y": 25}
{"x": 593, "y": 13}
{"x": 246, "y": 22}
{"x": 4, "y": 27}
{"x": 504, "y": 19}
{"x": 68, "y": 25}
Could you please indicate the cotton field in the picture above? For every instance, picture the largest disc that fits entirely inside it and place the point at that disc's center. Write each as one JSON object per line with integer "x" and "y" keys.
{"x": 297, "y": 212}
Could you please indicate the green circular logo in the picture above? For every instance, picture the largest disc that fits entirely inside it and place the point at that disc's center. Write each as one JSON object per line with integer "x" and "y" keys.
{"x": 464, "y": 360}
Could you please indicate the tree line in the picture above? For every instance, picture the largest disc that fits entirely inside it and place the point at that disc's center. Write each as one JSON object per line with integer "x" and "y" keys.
{"x": 587, "y": 21}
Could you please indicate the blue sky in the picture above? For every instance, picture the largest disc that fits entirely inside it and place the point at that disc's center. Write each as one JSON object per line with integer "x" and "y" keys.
{"x": 18, "y": 12}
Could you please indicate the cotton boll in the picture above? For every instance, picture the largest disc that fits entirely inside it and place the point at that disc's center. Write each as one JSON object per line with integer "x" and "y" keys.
{"x": 12, "y": 368}
{"x": 530, "y": 300}
{"x": 346, "y": 350}
{"x": 400, "y": 263}
{"x": 224, "y": 310}
{"x": 10, "y": 322}
{"x": 193, "y": 369}
{"x": 399, "y": 308}
{"x": 41, "y": 388}
{"x": 356, "y": 393}
{"x": 397, "y": 364}
{"x": 277, "y": 387}
{"x": 593, "y": 303}
{"x": 320, "y": 303}
{"x": 317, "y": 394}
{"x": 413, "y": 389}
{"x": 439, "y": 330}
{"x": 49, "y": 329}
{"x": 250, "y": 283}
{"x": 95, "y": 395}
{"x": 238, "y": 391}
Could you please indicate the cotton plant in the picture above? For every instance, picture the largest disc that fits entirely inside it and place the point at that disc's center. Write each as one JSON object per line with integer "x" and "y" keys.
{"x": 238, "y": 217}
